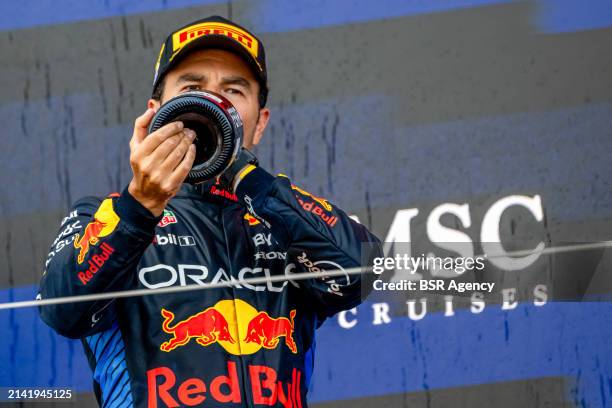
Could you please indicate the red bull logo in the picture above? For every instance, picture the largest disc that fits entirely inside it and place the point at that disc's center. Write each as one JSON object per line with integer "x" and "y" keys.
{"x": 324, "y": 203}
{"x": 316, "y": 205}
{"x": 251, "y": 220}
{"x": 311, "y": 207}
{"x": 234, "y": 325}
{"x": 221, "y": 192}
{"x": 267, "y": 331}
{"x": 205, "y": 327}
{"x": 104, "y": 223}
{"x": 265, "y": 388}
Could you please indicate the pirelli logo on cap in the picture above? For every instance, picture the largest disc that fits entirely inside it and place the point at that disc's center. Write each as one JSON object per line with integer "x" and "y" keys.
{"x": 186, "y": 35}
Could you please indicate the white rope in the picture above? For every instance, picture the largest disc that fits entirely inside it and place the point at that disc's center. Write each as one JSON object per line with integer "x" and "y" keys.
{"x": 277, "y": 278}
{"x": 178, "y": 289}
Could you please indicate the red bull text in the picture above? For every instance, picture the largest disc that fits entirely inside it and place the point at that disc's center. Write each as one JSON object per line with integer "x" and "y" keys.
{"x": 95, "y": 263}
{"x": 265, "y": 388}
{"x": 322, "y": 210}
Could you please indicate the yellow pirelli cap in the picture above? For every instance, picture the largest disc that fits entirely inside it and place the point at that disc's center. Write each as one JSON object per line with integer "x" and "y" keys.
{"x": 213, "y": 32}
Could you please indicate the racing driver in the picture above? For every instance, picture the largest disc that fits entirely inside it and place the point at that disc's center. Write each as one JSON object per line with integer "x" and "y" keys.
{"x": 243, "y": 344}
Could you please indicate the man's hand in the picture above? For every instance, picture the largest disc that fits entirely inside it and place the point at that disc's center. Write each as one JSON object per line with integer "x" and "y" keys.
{"x": 160, "y": 161}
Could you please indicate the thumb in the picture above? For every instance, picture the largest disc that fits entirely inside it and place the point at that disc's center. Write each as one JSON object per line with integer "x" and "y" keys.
{"x": 141, "y": 126}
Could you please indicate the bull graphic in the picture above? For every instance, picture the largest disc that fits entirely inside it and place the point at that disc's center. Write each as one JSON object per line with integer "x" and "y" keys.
{"x": 267, "y": 331}
{"x": 207, "y": 327}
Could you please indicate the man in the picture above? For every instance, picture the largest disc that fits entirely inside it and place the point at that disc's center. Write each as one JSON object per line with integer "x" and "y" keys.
{"x": 242, "y": 345}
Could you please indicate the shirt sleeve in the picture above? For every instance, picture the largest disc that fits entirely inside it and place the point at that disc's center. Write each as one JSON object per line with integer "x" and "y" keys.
{"x": 97, "y": 250}
{"x": 317, "y": 236}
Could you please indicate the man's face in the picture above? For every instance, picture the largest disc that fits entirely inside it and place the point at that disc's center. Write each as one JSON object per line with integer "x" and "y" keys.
{"x": 226, "y": 74}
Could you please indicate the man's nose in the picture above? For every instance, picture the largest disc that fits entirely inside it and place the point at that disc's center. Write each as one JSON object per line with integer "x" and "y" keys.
{"x": 216, "y": 88}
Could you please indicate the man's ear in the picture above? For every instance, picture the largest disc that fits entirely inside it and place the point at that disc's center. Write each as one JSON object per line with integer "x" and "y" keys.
{"x": 154, "y": 104}
{"x": 262, "y": 122}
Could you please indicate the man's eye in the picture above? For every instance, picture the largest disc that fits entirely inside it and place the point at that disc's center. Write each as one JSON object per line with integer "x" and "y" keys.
{"x": 233, "y": 91}
{"x": 193, "y": 87}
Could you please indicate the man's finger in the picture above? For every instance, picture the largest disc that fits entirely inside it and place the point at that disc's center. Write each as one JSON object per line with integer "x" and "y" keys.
{"x": 180, "y": 173}
{"x": 141, "y": 125}
{"x": 176, "y": 155}
{"x": 156, "y": 138}
{"x": 165, "y": 150}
